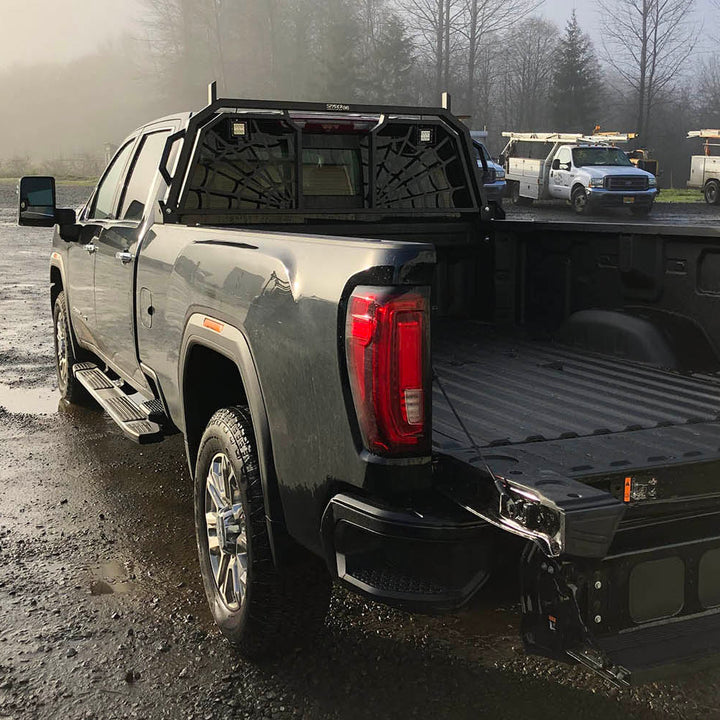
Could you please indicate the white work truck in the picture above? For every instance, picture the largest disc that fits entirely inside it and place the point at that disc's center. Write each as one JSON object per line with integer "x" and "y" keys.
{"x": 588, "y": 171}
{"x": 705, "y": 168}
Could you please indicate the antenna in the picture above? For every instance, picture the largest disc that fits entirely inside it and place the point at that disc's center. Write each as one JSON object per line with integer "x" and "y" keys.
{"x": 212, "y": 92}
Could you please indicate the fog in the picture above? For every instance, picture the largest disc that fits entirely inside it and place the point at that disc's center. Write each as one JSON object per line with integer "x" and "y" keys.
{"x": 77, "y": 75}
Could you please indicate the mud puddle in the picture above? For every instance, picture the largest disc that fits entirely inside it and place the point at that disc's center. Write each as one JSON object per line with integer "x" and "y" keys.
{"x": 33, "y": 401}
{"x": 112, "y": 578}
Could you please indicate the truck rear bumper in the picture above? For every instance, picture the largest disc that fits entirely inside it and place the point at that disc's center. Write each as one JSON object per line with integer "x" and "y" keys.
{"x": 406, "y": 557}
{"x": 597, "y": 197}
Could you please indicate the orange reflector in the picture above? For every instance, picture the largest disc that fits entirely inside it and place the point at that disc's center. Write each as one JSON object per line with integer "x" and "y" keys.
{"x": 55, "y": 256}
{"x": 213, "y": 325}
{"x": 628, "y": 489}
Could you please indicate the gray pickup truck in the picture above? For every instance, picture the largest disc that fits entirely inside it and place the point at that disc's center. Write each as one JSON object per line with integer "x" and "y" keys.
{"x": 377, "y": 383}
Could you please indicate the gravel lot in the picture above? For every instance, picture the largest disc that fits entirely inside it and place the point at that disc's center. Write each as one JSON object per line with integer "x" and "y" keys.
{"x": 662, "y": 214}
{"x": 102, "y": 613}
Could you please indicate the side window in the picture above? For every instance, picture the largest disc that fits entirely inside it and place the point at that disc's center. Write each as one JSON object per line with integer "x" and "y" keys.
{"x": 103, "y": 204}
{"x": 142, "y": 174}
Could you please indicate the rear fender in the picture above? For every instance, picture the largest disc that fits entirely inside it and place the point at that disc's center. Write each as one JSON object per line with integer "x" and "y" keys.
{"x": 230, "y": 342}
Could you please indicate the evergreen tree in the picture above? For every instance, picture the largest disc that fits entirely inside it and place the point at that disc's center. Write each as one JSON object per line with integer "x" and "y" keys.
{"x": 575, "y": 92}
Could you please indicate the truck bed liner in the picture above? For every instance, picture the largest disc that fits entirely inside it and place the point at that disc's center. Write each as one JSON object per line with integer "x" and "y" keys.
{"x": 560, "y": 407}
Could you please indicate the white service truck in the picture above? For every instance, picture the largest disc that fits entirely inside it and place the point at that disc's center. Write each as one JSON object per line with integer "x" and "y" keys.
{"x": 705, "y": 168}
{"x": 588, "y": 171}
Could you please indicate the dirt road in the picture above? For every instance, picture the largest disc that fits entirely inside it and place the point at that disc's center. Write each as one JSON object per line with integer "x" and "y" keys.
{"x": 101, "y": 607}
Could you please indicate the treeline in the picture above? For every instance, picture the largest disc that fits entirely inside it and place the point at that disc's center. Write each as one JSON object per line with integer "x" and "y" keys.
{"x": 506, "y": 67}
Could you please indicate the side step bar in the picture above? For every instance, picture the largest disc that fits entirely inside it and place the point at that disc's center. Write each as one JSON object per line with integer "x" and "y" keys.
{"x": 136, "y": 421}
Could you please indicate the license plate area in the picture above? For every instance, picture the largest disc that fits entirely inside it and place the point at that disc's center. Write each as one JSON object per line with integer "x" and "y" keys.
{"x": 628, "y": 199}
{"x": 644, "y": 587}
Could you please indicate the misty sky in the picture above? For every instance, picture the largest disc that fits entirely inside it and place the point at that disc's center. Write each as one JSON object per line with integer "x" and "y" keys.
{"x": 47, "y": 30}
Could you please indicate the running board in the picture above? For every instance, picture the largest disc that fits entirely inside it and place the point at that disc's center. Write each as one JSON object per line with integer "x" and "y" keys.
{"x": 133, "y": 419}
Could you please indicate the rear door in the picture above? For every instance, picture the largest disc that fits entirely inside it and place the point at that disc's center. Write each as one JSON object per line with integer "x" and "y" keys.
{"x": 115, "y": 263}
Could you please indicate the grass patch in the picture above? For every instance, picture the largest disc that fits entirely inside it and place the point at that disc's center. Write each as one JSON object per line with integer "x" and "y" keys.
{"x": 58, "y": 181}
{"x": 678, "y": 195}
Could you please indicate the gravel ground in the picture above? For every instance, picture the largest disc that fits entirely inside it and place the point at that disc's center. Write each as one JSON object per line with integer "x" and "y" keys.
{"x": 662, "y": 214}
{"x": 102, "y": 613}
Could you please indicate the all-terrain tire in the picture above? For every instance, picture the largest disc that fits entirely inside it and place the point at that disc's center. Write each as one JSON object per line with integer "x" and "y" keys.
{"x": 712, "y": 192}
{"x": 280, "y": 608}
{"x": 65, "y": 357}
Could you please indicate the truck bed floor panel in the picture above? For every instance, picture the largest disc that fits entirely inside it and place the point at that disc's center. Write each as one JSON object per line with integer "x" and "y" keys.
{"x": 509, "y": 392}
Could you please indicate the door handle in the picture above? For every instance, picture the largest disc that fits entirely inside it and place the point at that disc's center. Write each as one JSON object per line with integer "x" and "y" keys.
{"x": 124, "y": 257}
{"x": 91, "y": 248}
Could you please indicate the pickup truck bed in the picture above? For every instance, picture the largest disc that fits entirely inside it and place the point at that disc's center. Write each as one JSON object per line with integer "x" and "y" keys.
{"x": 511, "y": 391}
{"x": 576, "y": 411}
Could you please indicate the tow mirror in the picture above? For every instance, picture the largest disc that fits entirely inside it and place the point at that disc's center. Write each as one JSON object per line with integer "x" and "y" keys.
{"x": 556, "y": 164}
{"x": 37, "y": 201}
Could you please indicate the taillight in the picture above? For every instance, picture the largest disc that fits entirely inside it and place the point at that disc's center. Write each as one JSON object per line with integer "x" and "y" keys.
{"x": 387, "y": 338}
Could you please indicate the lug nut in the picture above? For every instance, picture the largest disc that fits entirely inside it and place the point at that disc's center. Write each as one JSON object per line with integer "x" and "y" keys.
{"x": 598, "y": 619}
{"x": 598, "y": 585}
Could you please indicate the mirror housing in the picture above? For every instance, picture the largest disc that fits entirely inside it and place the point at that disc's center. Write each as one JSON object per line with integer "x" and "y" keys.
{"x": 36, "y": 206}
{"x": 556, "y": 164}
{"x": 69, "y": 229}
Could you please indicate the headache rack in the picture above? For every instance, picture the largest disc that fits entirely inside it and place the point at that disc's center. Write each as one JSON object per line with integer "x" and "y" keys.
{"x": 249, "y": 161}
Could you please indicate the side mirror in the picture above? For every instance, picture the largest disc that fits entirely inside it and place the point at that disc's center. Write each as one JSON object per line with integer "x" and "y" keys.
{"x": 37, "y": 201}
{"x": 501, "y": 160}
{"x": 556, "y": 164}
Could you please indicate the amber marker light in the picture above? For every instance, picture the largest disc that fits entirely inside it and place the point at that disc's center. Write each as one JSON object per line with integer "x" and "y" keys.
{"x": 213, "y": 325}
{"x": 628, "y": 489}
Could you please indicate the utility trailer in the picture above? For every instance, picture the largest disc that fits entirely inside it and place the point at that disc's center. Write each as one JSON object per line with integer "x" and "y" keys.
{"x": 588, "y": 171}
{"x": 705, "y": 168}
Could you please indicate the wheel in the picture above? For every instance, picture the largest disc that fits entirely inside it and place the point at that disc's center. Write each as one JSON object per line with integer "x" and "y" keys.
{"x": 579, "y": 201}
{"x": 712, "y": 192}
{"x": 65, "y": 358}
{"x": 641, "y": 210}
{"x": 260, "y": 609}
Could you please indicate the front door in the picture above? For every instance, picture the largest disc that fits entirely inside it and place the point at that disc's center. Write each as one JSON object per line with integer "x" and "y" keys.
{"x": 82, "y": 254}
{"x": 561, "y": 174}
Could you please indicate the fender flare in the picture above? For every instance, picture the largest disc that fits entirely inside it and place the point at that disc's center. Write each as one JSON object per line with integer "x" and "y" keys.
{"x": 229, "y": 341}
{"x": 56, "y": 261}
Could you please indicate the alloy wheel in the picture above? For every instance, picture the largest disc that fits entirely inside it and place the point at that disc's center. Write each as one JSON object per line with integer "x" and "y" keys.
{"x": 61, "y": 349}
{"x": 226, "y": 531}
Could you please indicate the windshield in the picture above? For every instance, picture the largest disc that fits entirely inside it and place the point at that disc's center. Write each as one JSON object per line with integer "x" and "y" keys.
{"x": 600, "y": 156}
